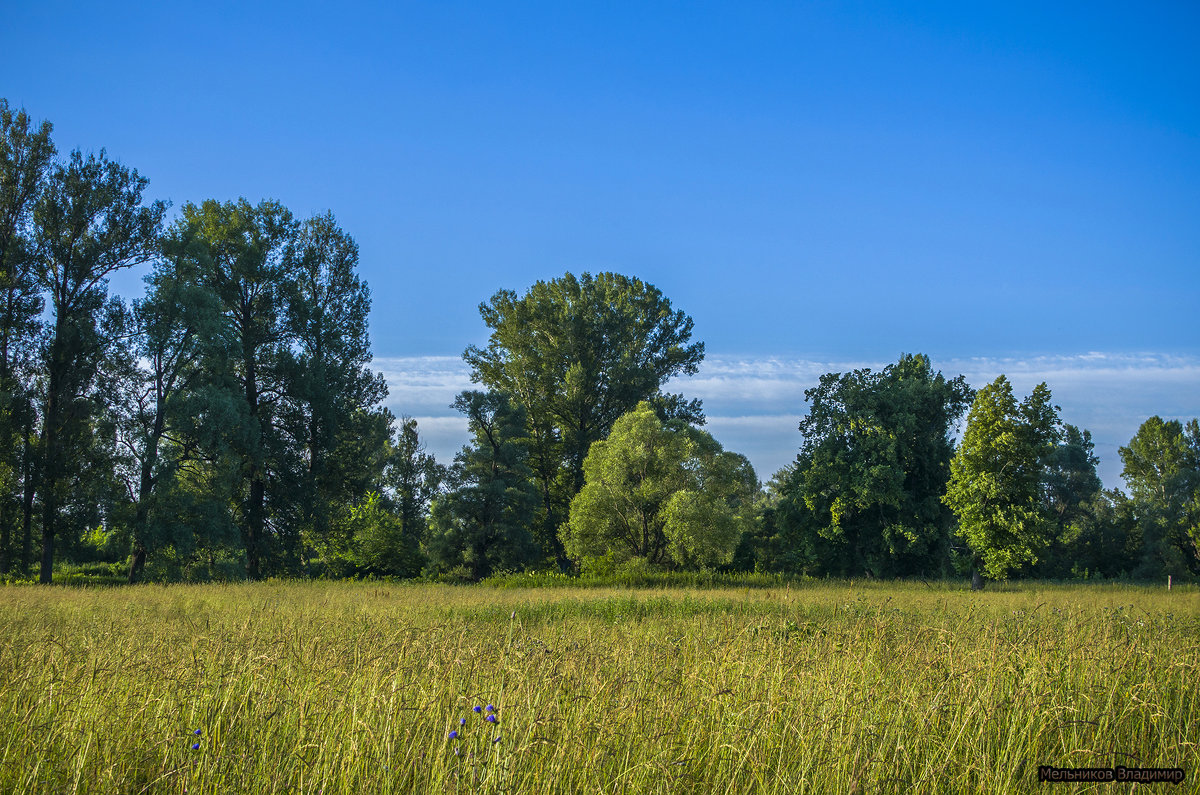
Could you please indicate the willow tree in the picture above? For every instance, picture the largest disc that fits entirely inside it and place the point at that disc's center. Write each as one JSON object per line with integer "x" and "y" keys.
{"x": 666, "y": 494}
{"x": 333, "y": 395}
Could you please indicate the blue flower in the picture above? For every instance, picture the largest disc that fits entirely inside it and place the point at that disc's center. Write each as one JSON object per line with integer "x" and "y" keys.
{"x": 462, "y": 721}
{"x": 490, "y": 718}
{"x": 496, "y": 739}
{"x": 454, "y": 735}
{"x": 491, "y": 708}
{"x": 195, "y": 746}
{"x": 197, "y": 732}
{"x": 477, "y": 708}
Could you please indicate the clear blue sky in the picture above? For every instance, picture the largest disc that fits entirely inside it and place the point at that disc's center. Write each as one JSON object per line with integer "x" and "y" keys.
{"x": 821, "y": 182}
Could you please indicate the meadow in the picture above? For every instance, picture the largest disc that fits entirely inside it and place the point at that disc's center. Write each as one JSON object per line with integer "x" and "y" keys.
{"x": 823, "y": 687}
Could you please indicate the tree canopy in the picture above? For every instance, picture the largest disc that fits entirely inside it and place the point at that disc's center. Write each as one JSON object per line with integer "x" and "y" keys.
{"x": 997, "y": 478}
{"x": 873, "y": 466}
{"x": 664, "y": 493}
{"x": 1162, "y": 470}
{"x": 577, "y": 353}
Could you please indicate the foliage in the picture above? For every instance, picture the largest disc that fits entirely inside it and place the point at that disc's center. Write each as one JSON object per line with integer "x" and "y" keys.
{"x": 26, "y": 153}
{"x": 413, "y": 476}
{"x": 576, "y": 354}
{"x": 88, "y": 223}
{"x": 1162, "y": 471}
{"x": 1084, "y": 518}
{"x": 163, "y": 396}
{"x": 996, "y": 478}
{"x": 872, "y": 469}
{"x": 664, "y": 493}
{"x": 481, "y": 524}
{"x": 331, "y": 391}
{"x": 381, "y": 544}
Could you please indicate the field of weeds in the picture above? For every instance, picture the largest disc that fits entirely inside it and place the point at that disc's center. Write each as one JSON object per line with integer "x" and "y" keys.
{"x": 823, "y": 688}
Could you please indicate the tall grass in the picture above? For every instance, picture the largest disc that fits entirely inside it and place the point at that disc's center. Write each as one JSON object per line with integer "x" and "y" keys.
{"x": 821, "y": 687}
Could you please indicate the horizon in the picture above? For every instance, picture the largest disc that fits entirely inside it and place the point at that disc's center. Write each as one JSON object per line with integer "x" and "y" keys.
{"x": 754, "y": 405}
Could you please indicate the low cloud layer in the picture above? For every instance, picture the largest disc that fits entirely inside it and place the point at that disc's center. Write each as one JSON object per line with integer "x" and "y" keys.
{"x": 754, "y": 404}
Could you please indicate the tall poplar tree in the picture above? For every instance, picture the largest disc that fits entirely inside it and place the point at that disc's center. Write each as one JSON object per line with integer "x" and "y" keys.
{"x": 89, "y": 222}
{"x": 998, "y": 476}
{"x": 244, "y": 248}
{"x": 26, "y": 155}
{"x": 167, "y": 418}
{"x": 333, "y": 394}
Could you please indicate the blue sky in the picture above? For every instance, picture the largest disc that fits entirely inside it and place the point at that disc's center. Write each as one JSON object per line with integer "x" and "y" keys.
{"x": 1008, "y": 187}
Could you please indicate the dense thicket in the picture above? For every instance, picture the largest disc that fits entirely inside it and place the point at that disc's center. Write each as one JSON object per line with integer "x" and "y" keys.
{"x": 227, "y": 423}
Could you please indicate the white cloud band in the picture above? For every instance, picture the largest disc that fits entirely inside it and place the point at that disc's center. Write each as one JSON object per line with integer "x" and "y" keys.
{"x": 754, "y": 404}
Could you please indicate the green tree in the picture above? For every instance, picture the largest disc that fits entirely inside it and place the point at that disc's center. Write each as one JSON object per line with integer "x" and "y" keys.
{"x": 167, "y": 396}
{"x": 414, "y": 478}
{"x": 1162, "y": 471}
{"x": 997, "y": 477}
{"x": 385, "y": 531}
{"x": 329, "y": 381}
{"x": 242, "y": 250}
{"x": 577, "y": 353}
{"x": 89, "y": 222}
{"x": 480, "y": 525}
{"x": 1102, "y": 539}
{"x": 873, "y": 467}
{"x": 26, "y": 155}
{"x": 381, "y": 545}
{"x": 1072, "y": 493}
{"x": 665, "y": 493}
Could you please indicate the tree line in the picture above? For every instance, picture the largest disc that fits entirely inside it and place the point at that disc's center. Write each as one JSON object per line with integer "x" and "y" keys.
{"x": 228, "y": 424}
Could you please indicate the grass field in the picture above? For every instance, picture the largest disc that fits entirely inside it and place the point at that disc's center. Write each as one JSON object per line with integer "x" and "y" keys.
{"x": 824, "y": 687}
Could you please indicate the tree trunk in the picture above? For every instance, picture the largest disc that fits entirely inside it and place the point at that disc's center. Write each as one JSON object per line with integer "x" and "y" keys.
{"x": 27, "y": 505}
{"x": 5, "y": 533}
{"x": 977, "y": 581}
{"x": 145, "y": 489}
{"x": 137, "y": 564}
{"x": 49, "y": 488}
{"x": 47, "y": 573}
{"x": 254, "y": 523}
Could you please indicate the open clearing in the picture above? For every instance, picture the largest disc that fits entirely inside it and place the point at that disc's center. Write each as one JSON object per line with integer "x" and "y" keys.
{"x": 824, "y": 687}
